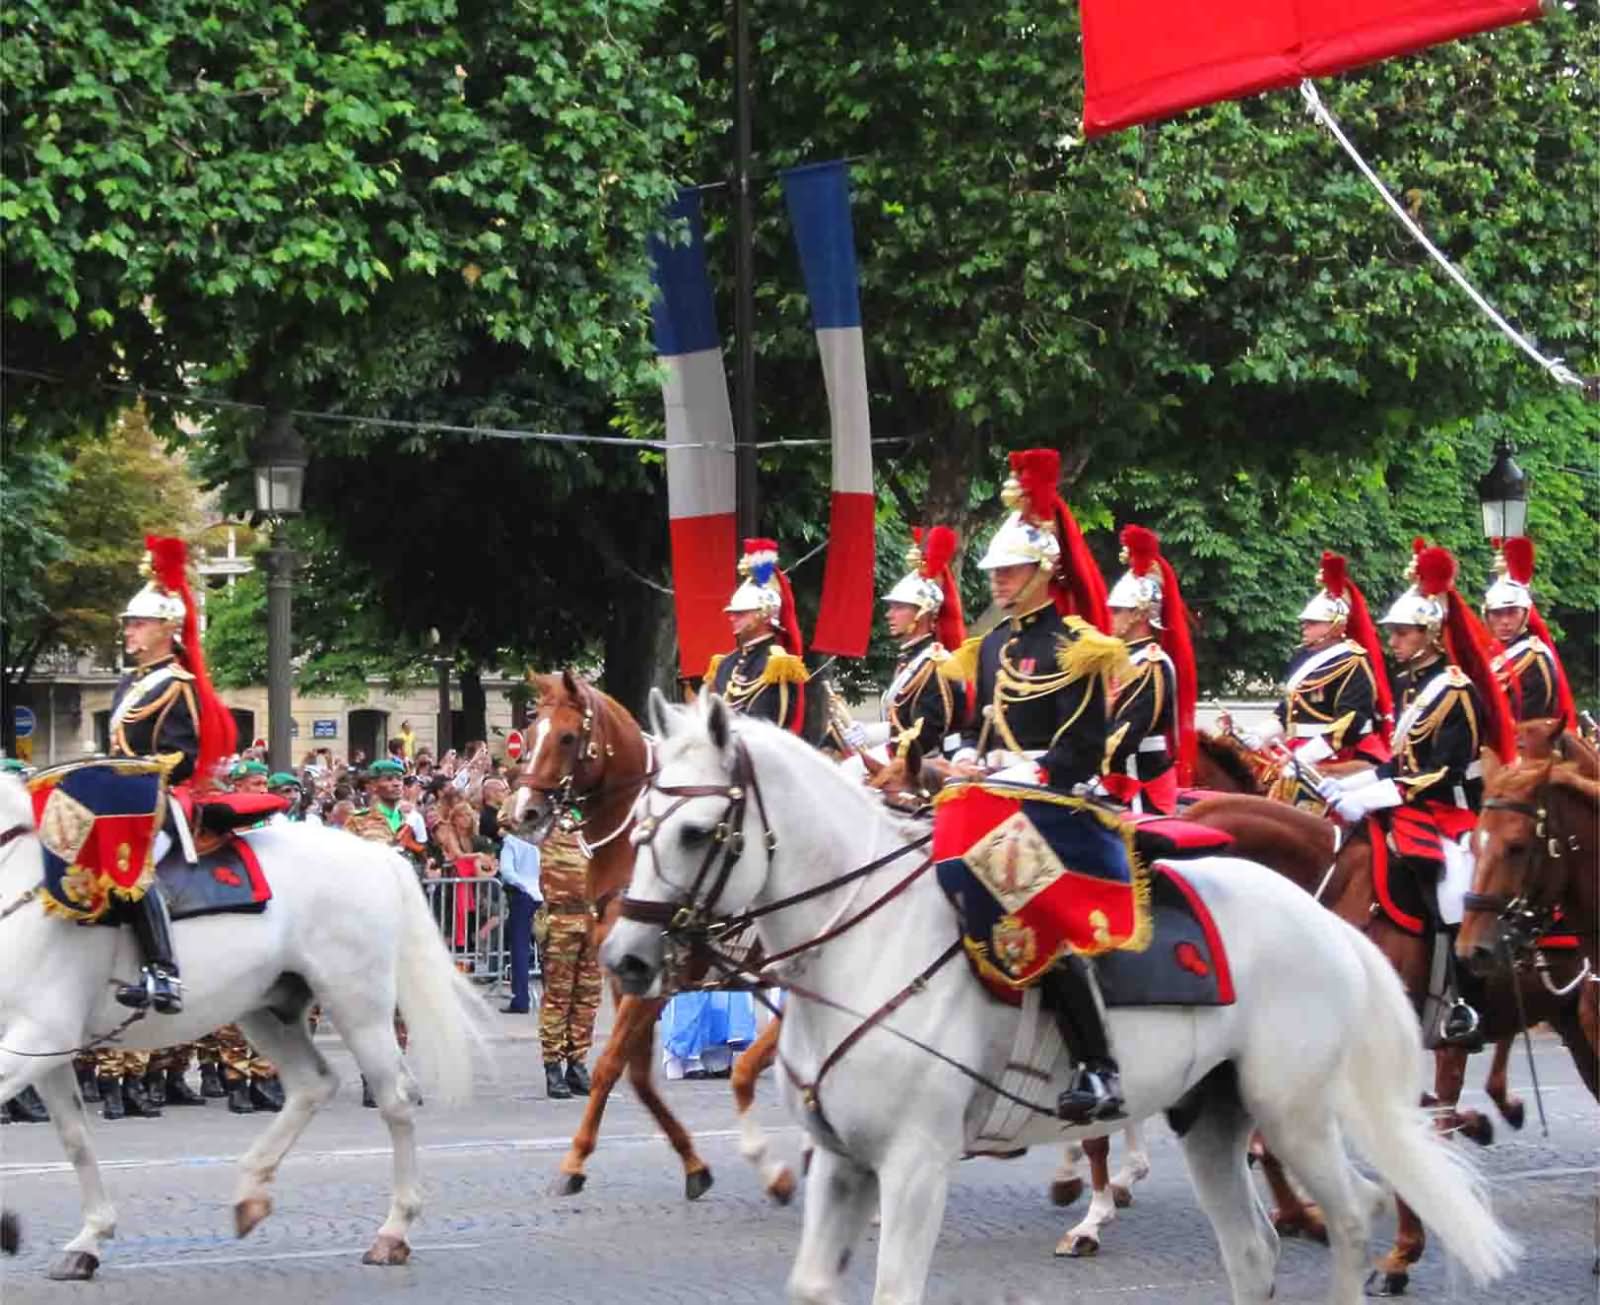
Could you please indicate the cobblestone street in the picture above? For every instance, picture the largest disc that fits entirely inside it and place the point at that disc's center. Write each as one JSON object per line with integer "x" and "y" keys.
{"x": 492, "y": 1229}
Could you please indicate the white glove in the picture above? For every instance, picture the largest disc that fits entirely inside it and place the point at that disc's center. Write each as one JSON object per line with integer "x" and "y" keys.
{"x": 1358, "y": 779}
{"x": 1351, "y": 807}
{"x": 1268, "y": 734}
{"x": 1314, "y": 749}
{"x": 1330, "y": 790}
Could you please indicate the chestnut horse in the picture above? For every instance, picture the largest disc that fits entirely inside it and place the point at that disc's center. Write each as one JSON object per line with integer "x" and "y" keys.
{"x": 588, "y": 755}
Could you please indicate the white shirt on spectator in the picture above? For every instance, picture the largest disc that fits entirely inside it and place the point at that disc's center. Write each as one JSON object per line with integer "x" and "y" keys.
{"x": 519, "y": 866}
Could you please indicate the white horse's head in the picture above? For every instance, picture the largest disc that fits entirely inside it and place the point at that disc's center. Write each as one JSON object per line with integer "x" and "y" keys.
{"x": 700, "y": 837}
{"x": 16, "y": 808}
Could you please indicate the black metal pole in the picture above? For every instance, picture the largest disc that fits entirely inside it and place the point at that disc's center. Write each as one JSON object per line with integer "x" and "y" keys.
{"x": 280, "y": 678}
{"x": 744, "y": 306}
{"x": 444, "y": 742}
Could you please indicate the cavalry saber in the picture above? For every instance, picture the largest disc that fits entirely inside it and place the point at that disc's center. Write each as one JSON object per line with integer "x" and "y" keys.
{"x": 1527, "y": 1037}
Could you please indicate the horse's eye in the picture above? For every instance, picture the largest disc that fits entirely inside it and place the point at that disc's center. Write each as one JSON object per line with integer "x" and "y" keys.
{"x": 696, "y": 835}
{"x": 568, "y": 738}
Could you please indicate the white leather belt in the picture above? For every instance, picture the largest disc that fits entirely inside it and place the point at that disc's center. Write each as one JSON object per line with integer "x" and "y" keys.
{"x": 1311, "y": 731}
{"x": 1474, "y": 771}
{"x": 1155, "y": 743}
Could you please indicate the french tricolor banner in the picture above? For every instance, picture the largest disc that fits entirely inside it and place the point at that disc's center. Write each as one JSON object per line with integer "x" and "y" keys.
{"x": 818, "y": 197}
{"x": 700, "y": 479}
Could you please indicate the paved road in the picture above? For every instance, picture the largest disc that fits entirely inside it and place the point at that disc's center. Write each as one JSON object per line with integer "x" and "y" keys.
{"x": 492, "y": 1230}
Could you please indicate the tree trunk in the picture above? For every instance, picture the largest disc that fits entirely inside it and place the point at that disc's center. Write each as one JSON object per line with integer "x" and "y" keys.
{"x": 953, "y": 459}
{"x": 474, "y": 707}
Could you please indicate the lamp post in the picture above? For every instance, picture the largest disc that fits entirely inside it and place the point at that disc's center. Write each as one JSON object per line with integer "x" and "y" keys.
{"x": 1503, "y": 495}
{"x": 278, "y": 458}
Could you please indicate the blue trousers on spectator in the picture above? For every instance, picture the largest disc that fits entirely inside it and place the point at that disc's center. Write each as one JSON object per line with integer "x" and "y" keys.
{"x": 519, "y": 928}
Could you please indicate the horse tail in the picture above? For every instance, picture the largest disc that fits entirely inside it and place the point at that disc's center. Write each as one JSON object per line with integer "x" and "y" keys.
{"x": 1378, "y": 1109}
{"x": 444, "y": 1014}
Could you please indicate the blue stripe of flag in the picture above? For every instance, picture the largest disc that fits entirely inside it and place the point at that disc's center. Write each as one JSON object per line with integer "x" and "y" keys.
{"x": 683, "y": 313}
{"x": 818, "y": 196}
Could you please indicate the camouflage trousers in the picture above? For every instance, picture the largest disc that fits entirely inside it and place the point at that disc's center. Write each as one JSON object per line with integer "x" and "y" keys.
{"x": 113, "y": 1062}
{"x": 227, "y": 1048}
{"x": 571, "y": 989}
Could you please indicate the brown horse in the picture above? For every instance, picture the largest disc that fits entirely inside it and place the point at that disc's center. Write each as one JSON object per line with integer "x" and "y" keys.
{"x": 587, "y": 754}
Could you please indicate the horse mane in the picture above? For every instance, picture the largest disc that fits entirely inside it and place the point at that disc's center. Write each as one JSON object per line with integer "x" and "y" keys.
{"x": 1228, "y": 755}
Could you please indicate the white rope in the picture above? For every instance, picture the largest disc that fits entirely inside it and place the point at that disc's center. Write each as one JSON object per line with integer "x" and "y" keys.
{"x": 1320, "y": 112}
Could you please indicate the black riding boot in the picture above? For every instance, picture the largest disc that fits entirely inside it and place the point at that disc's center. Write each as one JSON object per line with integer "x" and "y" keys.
{"x": 161, "y": 987}
{"x": 1459, "y": 1028}
{"x": 1095, "y": 1092}
{"x": 27, "y": 1108}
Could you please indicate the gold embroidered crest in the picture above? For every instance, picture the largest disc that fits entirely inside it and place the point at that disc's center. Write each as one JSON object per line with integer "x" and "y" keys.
{"x": 1015, "y": 944}
{"x": 1014, "y": 862}
{"x": 65, "y": 826}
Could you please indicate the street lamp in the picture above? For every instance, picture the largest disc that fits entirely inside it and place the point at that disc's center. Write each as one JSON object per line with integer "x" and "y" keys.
{"x": 1503, "y": 495}
{"x": 278, "y": 459}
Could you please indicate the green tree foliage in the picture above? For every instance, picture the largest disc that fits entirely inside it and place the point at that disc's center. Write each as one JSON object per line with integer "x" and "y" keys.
{"x": 335, "y": 203}
{"x": 84, "y": 511}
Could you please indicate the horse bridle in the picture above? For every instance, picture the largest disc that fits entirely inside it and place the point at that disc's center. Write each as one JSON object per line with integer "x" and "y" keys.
{"x": 1523, "y": 919}
{"x": 7, "y": 837}
{"x": 566, "y": 797}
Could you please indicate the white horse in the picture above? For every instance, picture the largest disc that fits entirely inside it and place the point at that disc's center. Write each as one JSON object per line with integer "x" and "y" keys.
{"x": 1320, "y": 1043}
{"x": 346, "y": 922}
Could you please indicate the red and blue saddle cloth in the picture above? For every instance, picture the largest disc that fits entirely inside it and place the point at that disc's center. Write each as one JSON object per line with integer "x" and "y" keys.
{"x": 98, "y": 821}
{"x": 1036, "y": 874}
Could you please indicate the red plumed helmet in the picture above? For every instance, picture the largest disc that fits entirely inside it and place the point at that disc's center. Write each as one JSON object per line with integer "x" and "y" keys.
{"x": 1145, "y": 561}
{"x": 1037, "y": 473}
{"x": 1359, "y": 628}
{"x": 1436, "y": 571}
{"x": 1143, "y": 547}
{"x": 1335, "y": 575}
{"x": 938, "y": 544}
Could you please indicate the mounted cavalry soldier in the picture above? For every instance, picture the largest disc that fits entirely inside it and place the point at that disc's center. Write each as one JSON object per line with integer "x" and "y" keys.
{"x": 1528, "y": 666}
{"x": 1451, "y": 707}
{"x": 1150, "y": 752}
{"x": 1337, "y": 705}
{"x": 165, "y": 708}
{"x": 765, "y": 675}
{"x": 1043, "y": 680}
{"x": 924, "y": 613}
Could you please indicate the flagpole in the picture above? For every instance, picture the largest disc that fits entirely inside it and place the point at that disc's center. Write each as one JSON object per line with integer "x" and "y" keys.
{"x": 744, "y": 305}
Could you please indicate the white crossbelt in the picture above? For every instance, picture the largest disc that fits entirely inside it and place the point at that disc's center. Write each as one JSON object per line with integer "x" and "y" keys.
{"x": 1155, "y": 743}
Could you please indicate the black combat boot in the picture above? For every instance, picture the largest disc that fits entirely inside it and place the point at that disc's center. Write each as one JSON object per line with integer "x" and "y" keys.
{"x": 211, "y": 1082}
{"x": 267, "y": 1094}
{"x": 111, "y": 1104}
{"x": 1095, "y": 1092}
{"x": 577, "y": 1078}
{"x": 27, "y": 1108}
{"x": 178, "y": 1091}
{"x": 367, "y": 1099}
{"x": 555, "y": 1082}
{"x": 137, "y": 1100}
{"x": 239, "y": 1101}
{"x": 155, "y": 1088}
{"x": 88, "y": 1085}
{"x": 161, "y": 987}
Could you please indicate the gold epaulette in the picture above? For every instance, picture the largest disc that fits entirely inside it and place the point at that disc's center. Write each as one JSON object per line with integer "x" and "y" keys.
{"x": 784, "y": 668}
{"x": 178, "y": 673}
{"x": 1091, "y": 653}
{"x": 962, "y": 664}
{"x": 1423, "y": 781}
{"x": 712, "y": 665}
{"x": 1458, "y": 677}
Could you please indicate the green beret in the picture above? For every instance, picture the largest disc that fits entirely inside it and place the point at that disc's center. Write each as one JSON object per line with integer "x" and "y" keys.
{"x": 247, "y": 768}
{"x": 282, "y": 778}
{"x": 380, "y": 769}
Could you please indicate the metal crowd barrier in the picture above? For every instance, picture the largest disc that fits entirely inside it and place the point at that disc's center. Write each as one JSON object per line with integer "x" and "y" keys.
{"x": 472, "y": 916}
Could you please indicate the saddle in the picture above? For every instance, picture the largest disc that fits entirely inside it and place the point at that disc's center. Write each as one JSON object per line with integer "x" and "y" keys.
{"x": 226, "y": 880}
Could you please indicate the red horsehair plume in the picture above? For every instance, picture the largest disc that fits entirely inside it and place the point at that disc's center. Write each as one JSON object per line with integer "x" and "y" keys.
{"x": 1037, "y": 473}
{"x": 169, "y": 562}
{"x": 1143, "y": 548}
{"x": 1335, "y": 575}
{"x": 938, "y": 545}
{"x": 1436, "y": 571}
{"x": 1518, "y": 553}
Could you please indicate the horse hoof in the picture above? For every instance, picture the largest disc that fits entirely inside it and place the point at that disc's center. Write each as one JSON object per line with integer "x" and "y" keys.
{"x": 1121, "y": 1197}
{"x": 568, "y": 1184}
{"x": 1382, "y": 1283}
{"x": 1478, "y": 1128}
{"x": 1078, "y": 1248}
{"x": 247, "y": 1214}
{"x": 388, "y": 1251}
{"x": 781, "y": 1188}
{"x": 1514, "y": 1113}
{"x": 1064, "y": 1191}
{"x": 74, "y": 1266}
{"x": 696, "y": 1184}
{"x": 10, "y": 1234}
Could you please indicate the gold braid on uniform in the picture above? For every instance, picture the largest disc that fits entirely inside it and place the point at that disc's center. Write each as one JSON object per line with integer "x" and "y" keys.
{"x": 913, "y": 692}
{"x": 713, "y": 665}
{"x": 1092, "y": 653}
{"x": 1427, "y": 727}
{"x": 181, "y": 684}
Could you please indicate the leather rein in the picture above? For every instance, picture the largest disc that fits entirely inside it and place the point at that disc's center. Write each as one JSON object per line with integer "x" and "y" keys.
{"x": 693, "y": 920}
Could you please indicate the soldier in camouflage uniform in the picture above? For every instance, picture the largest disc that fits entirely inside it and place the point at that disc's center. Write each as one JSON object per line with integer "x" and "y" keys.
{"x": 249, "y": 1080}
{"x": 571, "y": 966}
{"x": 165, "y": 1082}
{"x": 120, "y": 1077}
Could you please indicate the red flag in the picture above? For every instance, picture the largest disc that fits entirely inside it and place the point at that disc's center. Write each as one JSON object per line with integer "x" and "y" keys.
{"x": 1148, "y": 59}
